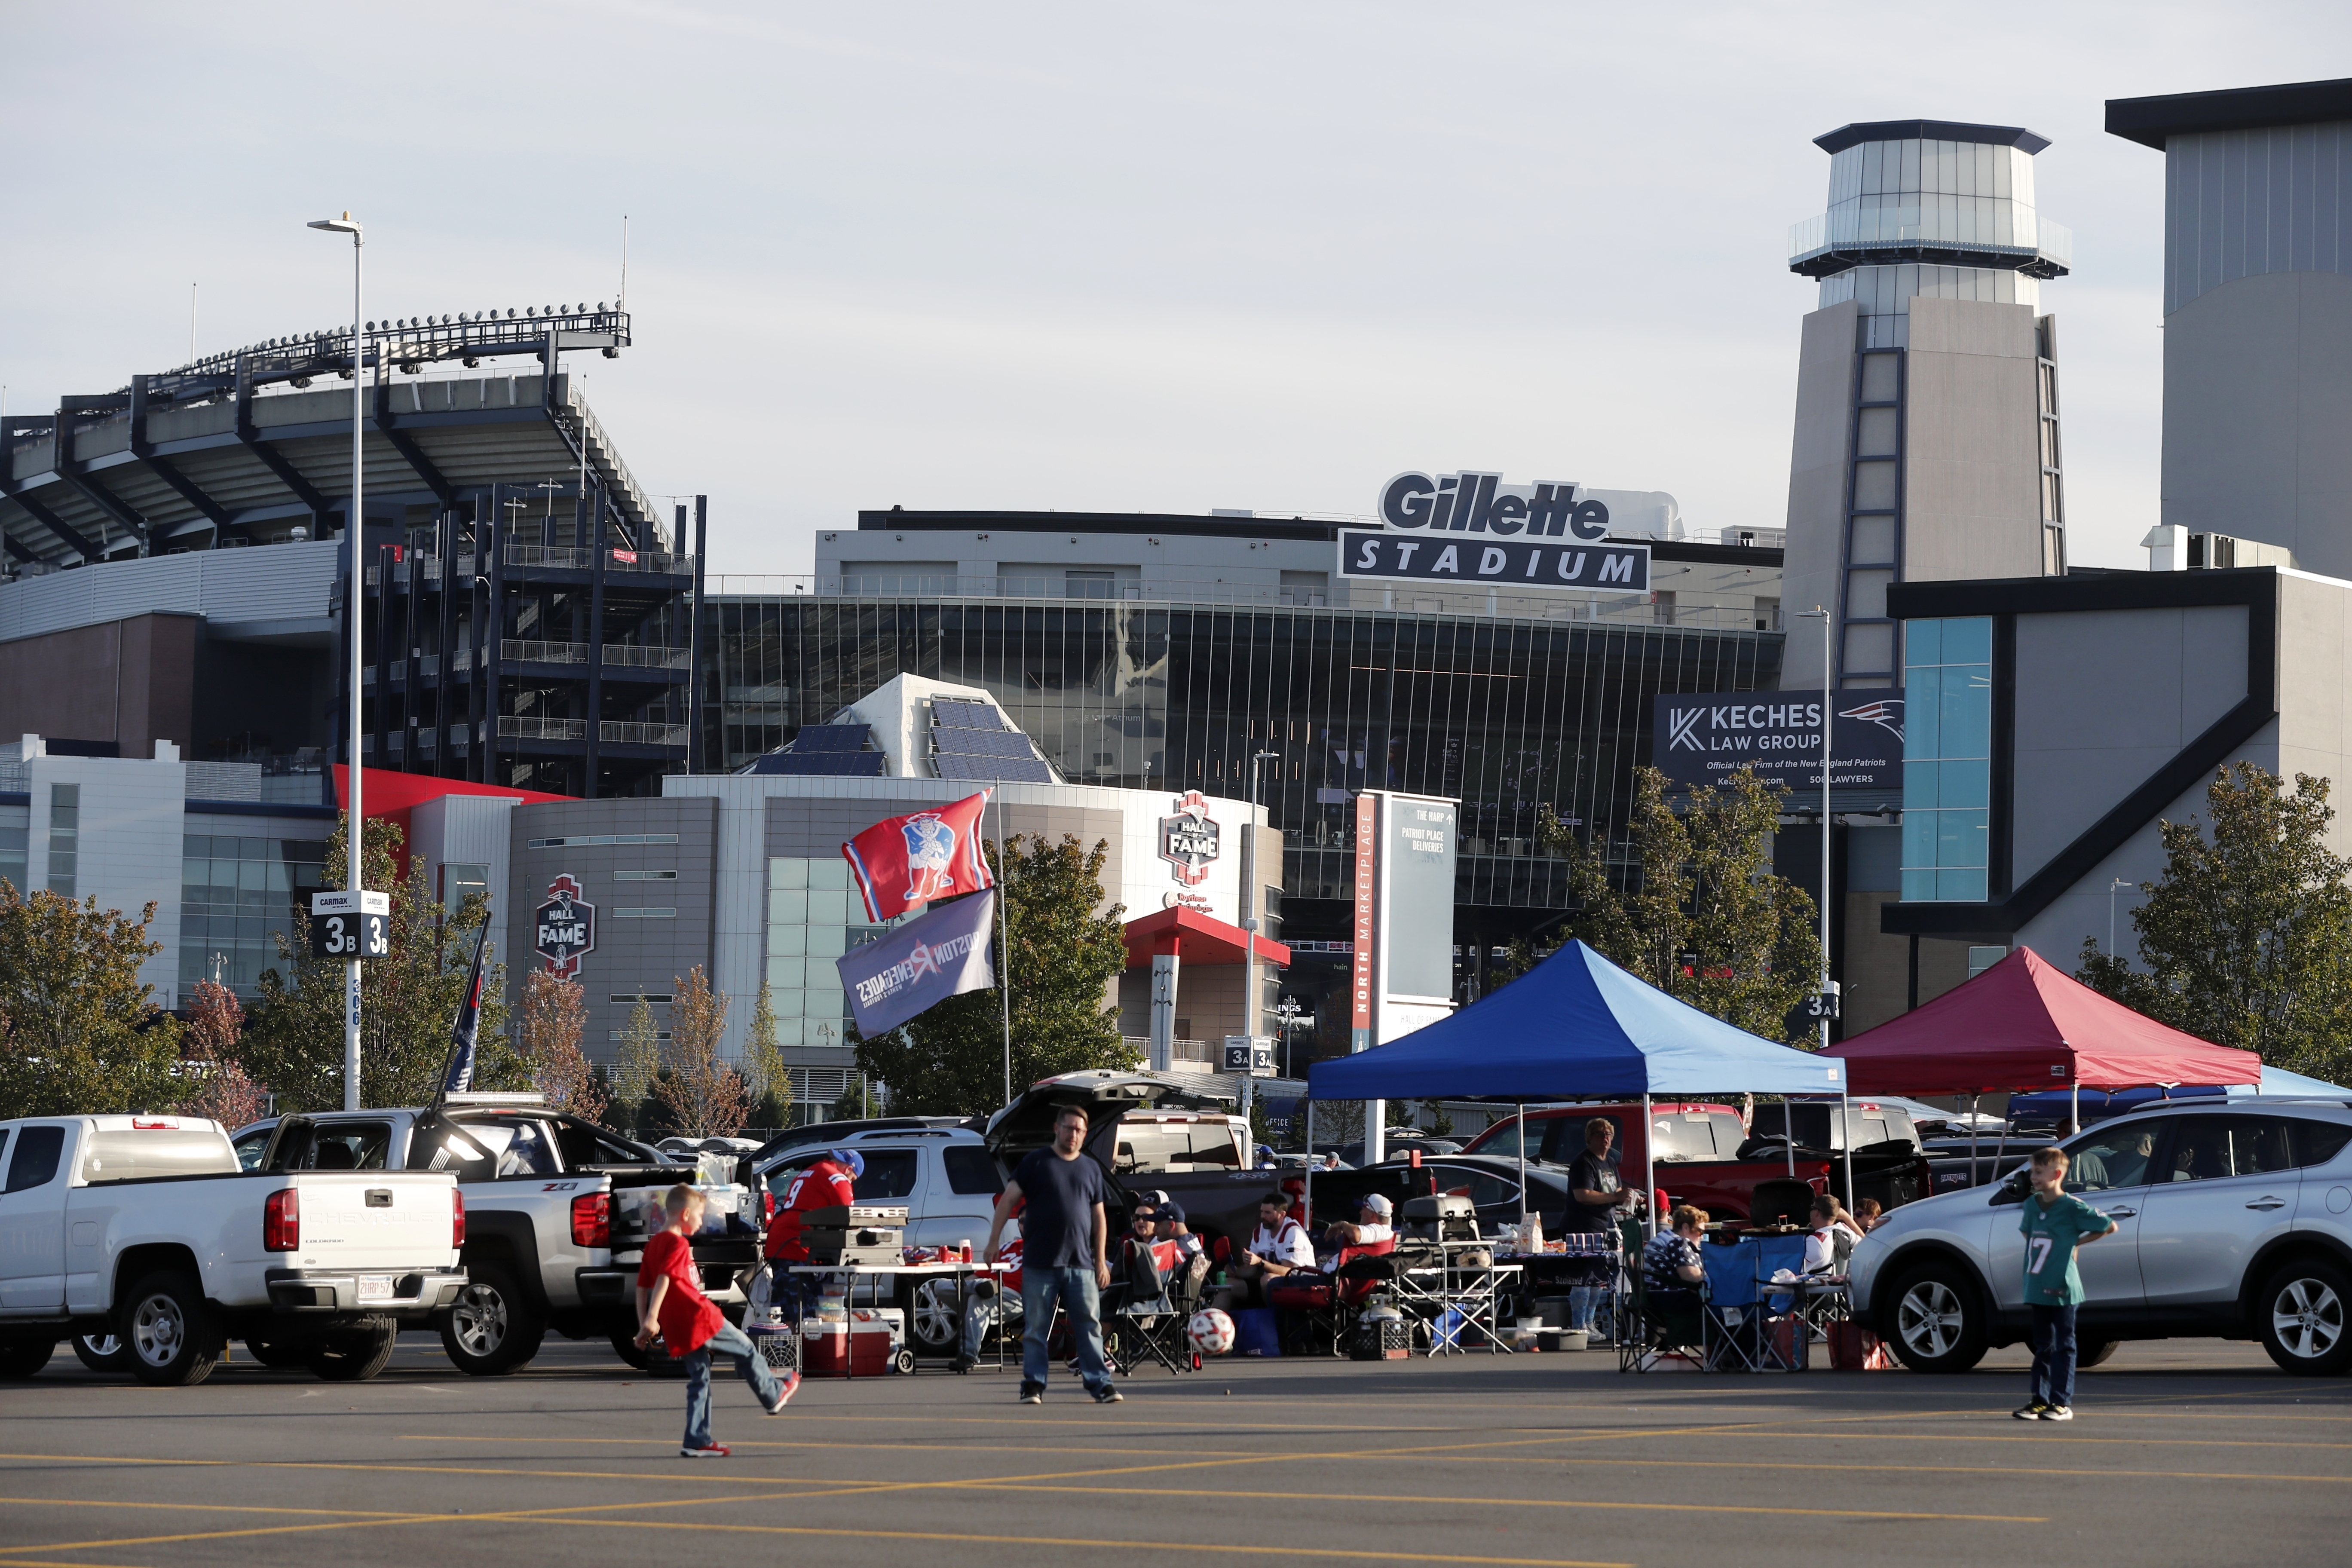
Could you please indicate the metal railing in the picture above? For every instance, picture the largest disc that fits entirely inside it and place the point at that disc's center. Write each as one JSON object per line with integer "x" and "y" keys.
{"x": 544, "y": 652}
{"x": 634, "y": 658}
{"x": 513, "y": 727}
{"x": 1959, "y": 228}
{"x": 1345, "y": 597}
{"x": 574, "y": 558}
{"x": 634, "y": 734}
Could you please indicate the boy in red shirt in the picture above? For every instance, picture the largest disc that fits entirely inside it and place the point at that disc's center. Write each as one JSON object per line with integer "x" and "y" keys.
{"x": 670, "y": 1302}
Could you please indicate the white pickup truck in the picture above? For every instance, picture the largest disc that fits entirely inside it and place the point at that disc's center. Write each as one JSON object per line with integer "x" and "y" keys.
{"x": 145, "y": 1229}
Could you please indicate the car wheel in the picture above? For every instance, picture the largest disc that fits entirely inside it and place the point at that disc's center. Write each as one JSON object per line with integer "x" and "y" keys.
{"x": 354, "y": 1355}
{"x": 493, "y": 1327}
{"x": 933, "y": 1322}
{"x": 174, "y": 1340}
{"x": 102, "y": 1353}
{"x": 2301, "y": 1315}
{"x": 278, "y": 1353}
{"x": 1938, "y": 1321}
{"x": 2095, "y": 1353}
{"x": 20, "y": 1358}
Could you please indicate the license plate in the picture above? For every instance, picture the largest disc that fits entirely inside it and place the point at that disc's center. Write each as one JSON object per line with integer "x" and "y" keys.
{"x": 375, "y": 1287}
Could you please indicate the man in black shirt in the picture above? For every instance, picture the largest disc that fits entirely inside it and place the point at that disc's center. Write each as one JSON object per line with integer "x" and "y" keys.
{"x": 1595, "y": 1193}
{"x": 1064, "y": 1238}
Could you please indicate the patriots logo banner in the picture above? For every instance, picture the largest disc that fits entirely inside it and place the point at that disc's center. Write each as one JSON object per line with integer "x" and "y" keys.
{"x": 920, "y": 859}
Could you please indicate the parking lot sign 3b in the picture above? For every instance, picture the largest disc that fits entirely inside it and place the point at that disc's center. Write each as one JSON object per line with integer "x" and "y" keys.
{"x": 351, "y": 925}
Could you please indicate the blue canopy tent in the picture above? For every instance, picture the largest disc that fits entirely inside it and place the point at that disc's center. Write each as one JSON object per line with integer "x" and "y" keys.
{"x": 1575, "y": 1027}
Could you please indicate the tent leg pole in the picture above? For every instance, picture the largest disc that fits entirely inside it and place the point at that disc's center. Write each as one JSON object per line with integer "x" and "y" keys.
{"x": 1846, "y": 1135}
{"x": 2074, "y": 1105}
{"x": 1649, "y": 1172}
{"x": 1523, "y": 1167}
{"x": 1310, "y": 1162}
{"x": 1972, "y": 1138}
{"x": 1788, "y": 1132}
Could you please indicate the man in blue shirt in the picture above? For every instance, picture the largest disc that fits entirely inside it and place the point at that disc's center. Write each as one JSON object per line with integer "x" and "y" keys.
{"x": 1066, "y": 1239}
{"x": 2054, "y": 1224}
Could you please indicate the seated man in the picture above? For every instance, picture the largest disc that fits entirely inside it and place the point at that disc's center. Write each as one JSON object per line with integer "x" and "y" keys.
{"x": 1830, "y": 1241}
{"x": 1671, "y": 1261}
{"x": 1371, "y": 1227}
{"x": 1278, "y": 1246}
{"x": 1170, "y": 1213}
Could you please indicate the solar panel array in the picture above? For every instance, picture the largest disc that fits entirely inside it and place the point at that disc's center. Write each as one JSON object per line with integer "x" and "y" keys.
{"x": 971, "y": 741}
{"x": 832, "y": 751}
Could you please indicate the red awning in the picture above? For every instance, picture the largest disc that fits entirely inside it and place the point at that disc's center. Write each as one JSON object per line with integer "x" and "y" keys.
{"x": 1194, "y": 938}
{"x": 2022, "y": 1025}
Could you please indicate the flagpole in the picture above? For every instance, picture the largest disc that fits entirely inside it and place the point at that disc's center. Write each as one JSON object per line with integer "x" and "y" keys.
{"x": 1003, "y": 943}
{"x": 464, "y": 1034}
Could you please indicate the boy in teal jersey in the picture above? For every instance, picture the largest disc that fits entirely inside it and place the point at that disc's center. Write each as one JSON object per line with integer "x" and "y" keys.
{"x": 2054, "y": 1224}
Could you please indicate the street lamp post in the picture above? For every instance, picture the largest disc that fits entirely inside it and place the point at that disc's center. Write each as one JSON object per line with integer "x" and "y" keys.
{"x": 1828, "y": 756}
{"x": 354, "y": 878}
{"x": 1251, "y": 925}
{"x": 2112, "y": 888}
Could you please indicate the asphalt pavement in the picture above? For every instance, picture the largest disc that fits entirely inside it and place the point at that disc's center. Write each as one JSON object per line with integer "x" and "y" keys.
{"x": 2189, "y": 1452}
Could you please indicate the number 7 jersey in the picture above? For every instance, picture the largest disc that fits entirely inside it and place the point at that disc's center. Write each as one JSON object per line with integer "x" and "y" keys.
{"x": 2051, "y": 1233}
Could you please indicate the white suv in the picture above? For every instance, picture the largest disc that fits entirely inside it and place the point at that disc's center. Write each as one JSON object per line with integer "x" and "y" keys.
{"x": 2234, "y": 1221}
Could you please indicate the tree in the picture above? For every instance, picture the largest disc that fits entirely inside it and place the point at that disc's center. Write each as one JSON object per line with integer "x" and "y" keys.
{"x": 555, "y": 1016}
{"x": 82, "y": 1036}
{"x": 636, "y": 1066}
{"x": 214, "y": 1082}
{"x": 1704, "y": 919}
{"x": 409, "y": 999}
{"x": 2246, "y": 939}
{"x": 769, "y": 1081}
{"x": 1067, "y": 945}
{"x": 703, "y": 1095}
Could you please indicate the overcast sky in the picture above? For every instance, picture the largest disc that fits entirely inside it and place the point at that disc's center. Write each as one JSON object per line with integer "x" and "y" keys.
{"x": 1091, "y": 257}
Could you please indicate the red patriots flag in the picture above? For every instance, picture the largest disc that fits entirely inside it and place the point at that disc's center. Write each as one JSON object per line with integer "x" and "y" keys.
{"x": 903, "y": 861}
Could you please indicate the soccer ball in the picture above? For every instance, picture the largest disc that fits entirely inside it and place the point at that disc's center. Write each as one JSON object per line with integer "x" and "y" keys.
{"x": 1211, "y": 1332}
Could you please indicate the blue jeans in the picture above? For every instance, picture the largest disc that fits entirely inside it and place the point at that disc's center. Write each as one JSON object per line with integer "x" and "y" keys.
{"x": 1040, "y": 1287}
{"x": 729, "y": 1341}
{"x": 2053, "y": 1355}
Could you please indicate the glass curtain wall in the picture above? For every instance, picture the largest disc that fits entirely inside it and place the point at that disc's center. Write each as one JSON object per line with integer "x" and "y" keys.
{"x": 1948, "y": 760}
{"x": 238, "y": 897}
{"x": 1514, "y": 718}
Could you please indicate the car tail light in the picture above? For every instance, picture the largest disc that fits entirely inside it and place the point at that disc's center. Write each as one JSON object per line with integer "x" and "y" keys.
{"x": 592, "y": 1220}
{"x": 456, "y": 1217}
{"x": 767, "y": 1204}
{"x": 281, "y": 1221}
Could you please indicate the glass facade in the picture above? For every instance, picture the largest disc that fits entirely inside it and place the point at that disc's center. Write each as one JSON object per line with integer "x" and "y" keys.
{"x": 1948, "y": 761}
{"x": 1513, "y": 717}
{"x": 12, "y": 858}
{"x": 65, "y": 838}
{"x": 812, "y": 920}
{"x": 236, "y": 897}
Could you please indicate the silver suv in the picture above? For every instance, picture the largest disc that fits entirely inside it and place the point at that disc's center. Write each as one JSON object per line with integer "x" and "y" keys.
{"x": 2234, "y": 1221}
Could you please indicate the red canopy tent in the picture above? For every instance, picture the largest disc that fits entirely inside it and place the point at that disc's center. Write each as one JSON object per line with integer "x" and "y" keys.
{"x": 2022, "y": 1025}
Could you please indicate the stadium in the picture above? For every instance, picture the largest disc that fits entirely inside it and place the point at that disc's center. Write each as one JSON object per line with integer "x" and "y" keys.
{"x": 526, "y": 616}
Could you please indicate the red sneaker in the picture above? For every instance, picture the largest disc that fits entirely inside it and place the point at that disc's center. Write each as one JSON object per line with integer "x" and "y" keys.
{"x": 788, "y": 1385}
{"x": 715, "y": 1451}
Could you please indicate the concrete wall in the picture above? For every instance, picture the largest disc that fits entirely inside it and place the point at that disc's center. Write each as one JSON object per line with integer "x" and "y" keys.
{"x": 2257, "y": 403}
{"x": 633, "y": 953}
{"x": 2081, "y": 745}
{"x": 1972, "y": 456}
{"x": 129, "y": 681}
{"x": 1818, "y": 458}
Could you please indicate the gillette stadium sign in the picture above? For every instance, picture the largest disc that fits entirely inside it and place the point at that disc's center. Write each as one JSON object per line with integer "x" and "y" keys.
{"x": 1702, "y": 738}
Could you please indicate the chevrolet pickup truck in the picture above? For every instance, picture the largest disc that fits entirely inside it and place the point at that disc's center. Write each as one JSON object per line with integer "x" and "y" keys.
{"x": 144, "y": 1229}
{"x": 558, "y": 1213}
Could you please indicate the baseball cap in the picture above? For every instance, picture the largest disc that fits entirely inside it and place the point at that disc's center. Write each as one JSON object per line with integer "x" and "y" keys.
{"x": 1378, "y": 1202}
{"x": 1168, "y": 1207}
{"x": 853, "y": 1159}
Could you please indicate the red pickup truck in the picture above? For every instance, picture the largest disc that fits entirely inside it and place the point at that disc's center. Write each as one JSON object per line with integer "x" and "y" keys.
{"x": 1699, "y": 1149}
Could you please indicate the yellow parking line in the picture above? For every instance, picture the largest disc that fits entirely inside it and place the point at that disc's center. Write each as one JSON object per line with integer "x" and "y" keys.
{"x": 1093, "y": 1544}
{"x": 1814, "y": 1466}
{"x": 1457, "y": 1500}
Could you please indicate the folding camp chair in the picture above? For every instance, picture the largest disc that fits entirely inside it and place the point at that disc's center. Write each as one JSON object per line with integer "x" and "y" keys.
{"x": 1739, "y": 1311}
{"x": 1160, "y": 1297}
{"x": 1322, "y": 1307}
{"x": 1654, "y": 1326}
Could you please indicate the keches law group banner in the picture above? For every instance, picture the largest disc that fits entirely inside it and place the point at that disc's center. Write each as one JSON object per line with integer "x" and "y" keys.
{"x": 920, "y": 859}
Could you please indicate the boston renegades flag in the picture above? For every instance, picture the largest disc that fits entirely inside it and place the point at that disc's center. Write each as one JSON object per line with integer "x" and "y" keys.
{"x": 465, "y": 1030}
{"x": 903, "y": 861}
